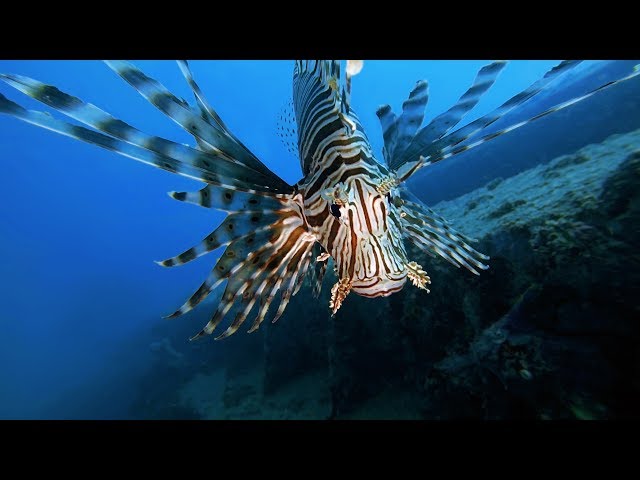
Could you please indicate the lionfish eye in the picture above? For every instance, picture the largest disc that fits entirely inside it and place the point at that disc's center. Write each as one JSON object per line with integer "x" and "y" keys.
{"x": 335, "y": 210}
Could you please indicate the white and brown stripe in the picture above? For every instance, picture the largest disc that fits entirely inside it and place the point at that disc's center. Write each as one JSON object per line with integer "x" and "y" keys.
{"x": 365, "y": 241}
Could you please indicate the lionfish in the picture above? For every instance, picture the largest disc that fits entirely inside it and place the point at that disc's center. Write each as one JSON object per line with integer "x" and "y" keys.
{"x": 348, "y": 206}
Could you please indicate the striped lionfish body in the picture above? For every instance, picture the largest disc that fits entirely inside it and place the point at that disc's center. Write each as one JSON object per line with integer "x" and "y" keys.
{"x": 348, "y": 206}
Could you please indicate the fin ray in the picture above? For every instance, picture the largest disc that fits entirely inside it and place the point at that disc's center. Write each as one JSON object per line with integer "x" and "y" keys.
{"x": 182, "y": 114}
{"x": 172, "y": 165}
{"x": 424, "y": 144}
{"x": 444, "y": 122}
{"x": 235, "y": 226}
{"x": 466, "y": 143}
{"x": 229, "y": 200}
{"x": 409, "y": 122}
{"x": 90, "y": 115}
{"x": 429, "y": 232}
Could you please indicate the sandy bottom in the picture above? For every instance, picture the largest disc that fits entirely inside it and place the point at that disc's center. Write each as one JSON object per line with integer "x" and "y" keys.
{"x": 214, "y": 397}
{"x": 303, "y": 398}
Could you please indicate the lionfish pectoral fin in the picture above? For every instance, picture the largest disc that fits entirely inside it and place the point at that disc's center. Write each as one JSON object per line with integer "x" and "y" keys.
{"x": 268, "y": 245}
{"x": 429, "y": 231}
{"x": 209, "y": 128}
{"x": 214, "y": 167}
{"x": 266, "y": 252}
{"x": 208, "y": 113}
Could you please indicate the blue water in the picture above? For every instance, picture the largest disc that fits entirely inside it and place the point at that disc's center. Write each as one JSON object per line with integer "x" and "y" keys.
{"x": 81, "y": 298}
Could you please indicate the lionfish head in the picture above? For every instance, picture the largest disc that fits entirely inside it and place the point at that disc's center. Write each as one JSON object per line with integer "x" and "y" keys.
{"x": 368, "y": 250}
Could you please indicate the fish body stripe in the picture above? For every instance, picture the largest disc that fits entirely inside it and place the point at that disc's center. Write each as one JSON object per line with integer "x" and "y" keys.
{"x": 363, "y": 249}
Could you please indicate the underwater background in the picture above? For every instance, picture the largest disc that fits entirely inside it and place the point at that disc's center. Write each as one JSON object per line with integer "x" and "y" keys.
{"x": 550, "y": 331}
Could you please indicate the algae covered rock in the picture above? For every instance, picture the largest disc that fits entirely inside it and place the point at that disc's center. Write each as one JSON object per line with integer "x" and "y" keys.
{"x": 571, "y": 273}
